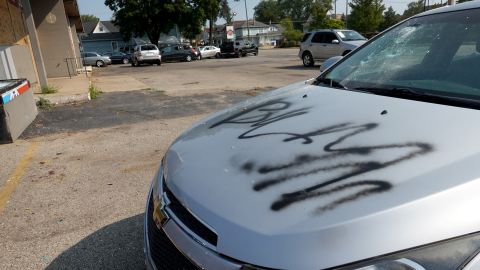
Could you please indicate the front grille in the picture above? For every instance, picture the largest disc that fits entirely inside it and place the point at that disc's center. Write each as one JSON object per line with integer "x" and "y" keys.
{"x": 164, "y": 254}
{"x": 189, "y": 220}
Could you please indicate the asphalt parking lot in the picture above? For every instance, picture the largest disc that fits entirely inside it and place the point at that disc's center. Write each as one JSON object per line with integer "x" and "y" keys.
{"x": 73, "y": 188}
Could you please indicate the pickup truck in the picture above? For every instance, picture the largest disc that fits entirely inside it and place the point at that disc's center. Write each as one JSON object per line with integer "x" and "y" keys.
{"x": 238, "y": 48}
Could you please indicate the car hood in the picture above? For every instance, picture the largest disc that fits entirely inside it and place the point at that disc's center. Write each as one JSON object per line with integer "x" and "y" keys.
{"x": 326, "y": 177}
{"x": 354, "y": 43}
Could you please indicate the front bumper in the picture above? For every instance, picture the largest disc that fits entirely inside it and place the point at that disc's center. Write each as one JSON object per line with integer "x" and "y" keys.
{"x": 173, "y": 248}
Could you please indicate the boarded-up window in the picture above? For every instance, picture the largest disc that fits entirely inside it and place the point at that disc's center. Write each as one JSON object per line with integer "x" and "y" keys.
{"x": 12, "y": 22}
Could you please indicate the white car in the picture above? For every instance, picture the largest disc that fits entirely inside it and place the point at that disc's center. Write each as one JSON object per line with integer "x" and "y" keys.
{"x": 372, "y": 165}
{"x": 146, "y": 53}
{"x": 323, "y": 44}
{"x": 210, "y": 51}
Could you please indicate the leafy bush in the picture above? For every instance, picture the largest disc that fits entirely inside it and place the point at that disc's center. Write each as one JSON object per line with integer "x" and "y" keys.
{"x": 49, "y": 89}
{"x": 94, "y": 92}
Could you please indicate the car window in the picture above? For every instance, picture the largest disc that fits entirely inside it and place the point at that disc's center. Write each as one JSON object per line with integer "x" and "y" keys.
{"x": 306, "y": 36}
{"x": 166, "y": 49}
{"x": 149, "y": 47}
{"x": 328, "y": 37}
{"x": 437, "y": 54}
{"x": 317, "y": 38}
{"x": 349, "y": 35}
{"x": 90, "y": 55}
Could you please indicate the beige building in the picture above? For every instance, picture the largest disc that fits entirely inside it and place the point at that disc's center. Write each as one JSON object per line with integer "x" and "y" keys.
{"x": 38, "y": 39}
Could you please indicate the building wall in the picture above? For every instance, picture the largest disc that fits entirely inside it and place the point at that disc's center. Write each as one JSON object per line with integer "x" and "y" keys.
{"x": 53, "y": 31}
{"x": 76, "y": 41}
{"x": 101, "y": 46}
{"x": 14, "y": 43}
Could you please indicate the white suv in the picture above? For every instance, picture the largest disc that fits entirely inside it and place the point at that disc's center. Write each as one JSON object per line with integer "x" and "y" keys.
{"x": 323, "y": 44}
{"x": 146, "y": 53}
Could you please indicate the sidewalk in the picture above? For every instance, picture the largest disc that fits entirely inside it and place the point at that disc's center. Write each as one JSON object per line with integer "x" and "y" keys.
{"x": 118, "y": 83}
{"x": 70, "y": 90}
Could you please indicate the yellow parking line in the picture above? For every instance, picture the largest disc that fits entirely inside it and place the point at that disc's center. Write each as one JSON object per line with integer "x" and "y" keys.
{"x": 16, "y": 176}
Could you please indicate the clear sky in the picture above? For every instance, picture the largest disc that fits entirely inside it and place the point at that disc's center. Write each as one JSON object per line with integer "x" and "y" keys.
{"x": 97, "y": 7}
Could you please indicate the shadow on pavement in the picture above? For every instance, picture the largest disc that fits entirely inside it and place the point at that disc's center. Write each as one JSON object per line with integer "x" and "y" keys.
{"x": 116, "y": 246}
{"x": 112, "y": 109}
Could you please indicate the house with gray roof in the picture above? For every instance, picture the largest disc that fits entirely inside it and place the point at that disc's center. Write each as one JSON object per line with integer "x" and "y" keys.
{"x": 104, "y": 36}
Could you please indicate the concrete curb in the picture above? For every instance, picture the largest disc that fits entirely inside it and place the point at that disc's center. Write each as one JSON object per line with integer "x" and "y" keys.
{"x": 63, "y": 100}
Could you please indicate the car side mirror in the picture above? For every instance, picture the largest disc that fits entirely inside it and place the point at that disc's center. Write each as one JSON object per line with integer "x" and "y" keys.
{"x": 329, "y": 62}
{"x": 335, "y": 41}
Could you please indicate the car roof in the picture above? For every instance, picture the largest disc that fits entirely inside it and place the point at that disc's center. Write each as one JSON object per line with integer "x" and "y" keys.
{"x": 457, "y": 7}
{"x": 327, "y": 30}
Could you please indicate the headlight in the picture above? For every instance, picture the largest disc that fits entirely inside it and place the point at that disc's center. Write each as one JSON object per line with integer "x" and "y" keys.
{"x": 450, "y": 254}
{"x": 445, "y": 255}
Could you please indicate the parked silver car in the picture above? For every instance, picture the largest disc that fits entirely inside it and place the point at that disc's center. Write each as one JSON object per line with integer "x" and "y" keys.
{"x": 210, "y": 51}
{"x": 146, "y": 53}
{"x": 95, "y": 59}
{"x": 372, "y": 165}
{"x": 323, "y": 44}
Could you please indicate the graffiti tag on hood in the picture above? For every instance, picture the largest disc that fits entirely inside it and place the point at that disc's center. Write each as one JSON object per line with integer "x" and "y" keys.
{"x": 275, "y": 174}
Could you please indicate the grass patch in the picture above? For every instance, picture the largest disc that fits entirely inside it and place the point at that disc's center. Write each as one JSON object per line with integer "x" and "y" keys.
{"x": 44, "y": 104}
{"x": 49, "y": 89}
{"x": 94, "y": 91}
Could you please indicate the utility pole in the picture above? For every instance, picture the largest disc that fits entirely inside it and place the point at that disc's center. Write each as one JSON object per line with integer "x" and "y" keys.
{"x": 346, "y": 14}
{"x": 451, "y": 2}
{"x": 335, "y": 9}
{"x": 248, "y": 26}
{"x": 246, "y": 15}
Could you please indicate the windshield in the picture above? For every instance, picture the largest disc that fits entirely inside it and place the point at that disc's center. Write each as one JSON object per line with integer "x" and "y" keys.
{"x": 436, "y": 55}
{"x": 149, "y": 48}
{"x": 349, "y": 35}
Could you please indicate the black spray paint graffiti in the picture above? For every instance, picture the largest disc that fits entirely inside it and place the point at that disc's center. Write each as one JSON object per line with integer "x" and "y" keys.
{"x": 265, "y": 114}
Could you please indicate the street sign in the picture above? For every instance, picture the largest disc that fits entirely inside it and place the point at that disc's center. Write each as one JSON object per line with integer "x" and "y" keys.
{"x": 230, "y": 32}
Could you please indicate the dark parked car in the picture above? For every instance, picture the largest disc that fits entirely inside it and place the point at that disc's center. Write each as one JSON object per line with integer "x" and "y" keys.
{"x": 118, "y": 57}
{"x": 177, "y": 52}
{"x": 238, "y": 48}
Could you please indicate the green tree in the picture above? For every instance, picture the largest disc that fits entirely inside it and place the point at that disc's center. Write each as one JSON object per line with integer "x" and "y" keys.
{"x": 213, "y": 9}
{"x": 226, "y": 12}
{"x": 366, "y": 15}
{"x": 150, "y": 17}
{"x": 318, "y": 16}
{"x": 334, "y": 24}
{"x": 290, "y": 33}
{"x": 297, "y": 10}
{"x": 417, "y": 7}
{"x": 268, "y": 11}
{"x": 390, "y": 18}
{"x": 89, "y": 18}
{"x": 414, "y": 8}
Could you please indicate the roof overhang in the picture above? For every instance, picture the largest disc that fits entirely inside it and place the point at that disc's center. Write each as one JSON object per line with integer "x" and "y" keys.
{"x": 73, "y": 12}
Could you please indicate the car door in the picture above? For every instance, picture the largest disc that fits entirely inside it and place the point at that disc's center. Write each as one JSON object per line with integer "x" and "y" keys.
{"x": 330, "y": 48}
{"x": 166, "y": 53}
{"x": 90, "y": 58}
{"x": 208, "y": 51}
{"x": 316, "y": 47}
{"x": 117, "y": 56}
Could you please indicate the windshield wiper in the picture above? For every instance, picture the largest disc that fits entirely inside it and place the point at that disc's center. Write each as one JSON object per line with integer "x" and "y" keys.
{"x": 421, "y": 96}
{"x": 331, "y": 83}
{"x": 393, "y": 91}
